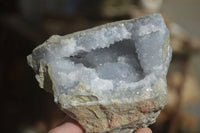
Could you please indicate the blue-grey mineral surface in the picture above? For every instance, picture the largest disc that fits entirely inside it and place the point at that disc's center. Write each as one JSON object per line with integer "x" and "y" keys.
{"x": 111, "y": 78}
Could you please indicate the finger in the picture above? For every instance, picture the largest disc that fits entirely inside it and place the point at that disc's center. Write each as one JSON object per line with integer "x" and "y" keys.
{"x": 67, "y": 127}
{"x": 144, "y": 130}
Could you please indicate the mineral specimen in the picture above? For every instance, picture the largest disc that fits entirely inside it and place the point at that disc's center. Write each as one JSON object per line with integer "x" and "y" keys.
{"x": 110, "y": 78}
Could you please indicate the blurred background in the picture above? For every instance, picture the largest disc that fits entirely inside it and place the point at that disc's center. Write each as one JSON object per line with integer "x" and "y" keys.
{"x": 24, "y": 24}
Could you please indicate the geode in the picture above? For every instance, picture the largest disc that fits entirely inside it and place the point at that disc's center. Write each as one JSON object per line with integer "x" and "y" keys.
{"x": 111, "y": 78}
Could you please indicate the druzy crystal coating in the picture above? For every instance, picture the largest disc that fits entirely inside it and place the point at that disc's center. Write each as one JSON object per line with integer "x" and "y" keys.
{"x": 111, "y": 78}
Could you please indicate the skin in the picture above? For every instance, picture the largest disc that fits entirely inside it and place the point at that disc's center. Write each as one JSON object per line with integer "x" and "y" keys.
{"x": 72, "y": 127}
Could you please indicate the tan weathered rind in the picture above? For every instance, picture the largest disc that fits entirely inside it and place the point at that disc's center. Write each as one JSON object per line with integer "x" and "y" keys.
{"x": 117, "y": 117}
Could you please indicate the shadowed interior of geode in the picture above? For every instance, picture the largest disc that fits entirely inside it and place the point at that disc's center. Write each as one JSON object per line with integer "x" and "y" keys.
{"x": 118, "y": 62}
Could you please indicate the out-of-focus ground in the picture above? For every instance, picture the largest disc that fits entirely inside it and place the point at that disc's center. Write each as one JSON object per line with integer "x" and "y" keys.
{"x": 185, "y": 13}
{"x": 24, "y": 24}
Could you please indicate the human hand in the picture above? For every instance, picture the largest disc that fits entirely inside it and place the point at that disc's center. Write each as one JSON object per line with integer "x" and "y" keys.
{"x": 71, "y": 127}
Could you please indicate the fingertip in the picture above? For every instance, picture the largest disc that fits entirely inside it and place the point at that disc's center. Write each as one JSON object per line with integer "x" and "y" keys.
{"x": 144, "y": 130}
{"x": 68, "y": 127}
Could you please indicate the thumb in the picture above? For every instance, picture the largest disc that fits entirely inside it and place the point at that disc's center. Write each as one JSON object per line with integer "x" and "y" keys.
{"x": 144, "y": 130}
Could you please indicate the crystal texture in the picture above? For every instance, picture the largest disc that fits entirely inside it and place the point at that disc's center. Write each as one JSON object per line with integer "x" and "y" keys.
{"x": 111, "y": 78}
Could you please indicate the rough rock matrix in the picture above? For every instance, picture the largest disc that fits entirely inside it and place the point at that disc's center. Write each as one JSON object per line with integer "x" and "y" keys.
{"x": 110, "y": 78}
